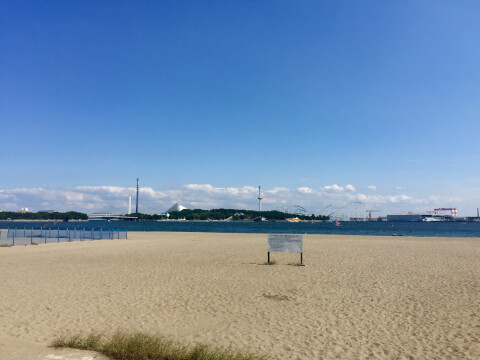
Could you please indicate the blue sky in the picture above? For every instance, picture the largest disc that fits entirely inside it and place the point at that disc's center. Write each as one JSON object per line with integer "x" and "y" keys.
{"x": 232, "y": 95}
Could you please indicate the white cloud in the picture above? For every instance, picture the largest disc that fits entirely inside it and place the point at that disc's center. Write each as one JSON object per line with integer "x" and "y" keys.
{"x": 206, "y": 196}
{"x": 398, "y": 198}
{"x": 372, "y": 187}
{"x": 333, "y": 187}
{"x": 349, "y": 187}
{"x": 305, "y": 190}
{"x": 337, "y": 188}
{"x": 276, "y": 190}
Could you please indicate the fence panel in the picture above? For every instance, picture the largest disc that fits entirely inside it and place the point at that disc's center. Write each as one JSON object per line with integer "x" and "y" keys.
{"x": 44, "y": 236}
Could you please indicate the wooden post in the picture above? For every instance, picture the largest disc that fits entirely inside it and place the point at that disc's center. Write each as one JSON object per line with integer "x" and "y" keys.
{"x": 268, "y": 258}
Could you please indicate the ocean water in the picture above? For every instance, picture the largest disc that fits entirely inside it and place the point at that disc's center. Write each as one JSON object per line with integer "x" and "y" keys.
{"x": 442, "y": 229}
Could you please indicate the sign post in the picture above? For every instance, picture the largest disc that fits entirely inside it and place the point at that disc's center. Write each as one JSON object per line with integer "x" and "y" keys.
{"x": 292, "y": 243}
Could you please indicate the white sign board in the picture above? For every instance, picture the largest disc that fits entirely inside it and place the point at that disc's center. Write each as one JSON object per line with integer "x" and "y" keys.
{"x": 285, "y": 243}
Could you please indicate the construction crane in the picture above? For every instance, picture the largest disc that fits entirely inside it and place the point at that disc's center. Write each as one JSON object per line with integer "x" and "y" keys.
{"x": 370, "y": 214}
{"x": 453, "y": 210}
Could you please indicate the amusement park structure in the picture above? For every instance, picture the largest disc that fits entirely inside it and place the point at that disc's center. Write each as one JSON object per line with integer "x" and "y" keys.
{"x": 355, "y": 205}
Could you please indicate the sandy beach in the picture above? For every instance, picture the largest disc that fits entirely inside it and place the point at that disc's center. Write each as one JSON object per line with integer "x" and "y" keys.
{"x": 358, "y": 297}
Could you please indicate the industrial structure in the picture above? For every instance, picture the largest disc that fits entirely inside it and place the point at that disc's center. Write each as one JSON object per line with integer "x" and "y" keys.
{"x": 435, "y": 215}
{"x": 260, "y": 198}
{"x": 136, "y": 209}
{"x": 406, "y": 217}
{"x": 370, "y": 213}
{"x": 454, "y": 211}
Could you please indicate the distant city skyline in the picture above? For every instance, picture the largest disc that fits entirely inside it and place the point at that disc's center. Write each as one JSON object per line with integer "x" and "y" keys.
{"x": 318, "y": 102}
{"x": 330, "y": 198}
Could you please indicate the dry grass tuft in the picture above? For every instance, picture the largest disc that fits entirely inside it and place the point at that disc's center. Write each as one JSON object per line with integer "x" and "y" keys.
{"x": 91, "y": 342}
{"x": 140, "y": 346}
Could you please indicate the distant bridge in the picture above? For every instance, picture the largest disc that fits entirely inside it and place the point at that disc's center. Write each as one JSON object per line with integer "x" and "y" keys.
{"x": 111, "y": 217}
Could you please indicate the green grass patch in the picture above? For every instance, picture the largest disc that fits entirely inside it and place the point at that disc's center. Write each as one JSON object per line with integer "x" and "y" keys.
{"x": 5, "y": 245}
{"x": 140, "y": 346}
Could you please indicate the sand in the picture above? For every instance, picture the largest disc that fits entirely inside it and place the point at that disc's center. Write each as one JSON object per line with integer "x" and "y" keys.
{"x": 358, "y": 297}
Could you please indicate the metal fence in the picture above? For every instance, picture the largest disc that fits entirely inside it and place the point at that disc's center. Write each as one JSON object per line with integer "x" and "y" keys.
{"x": 44, "y": 236}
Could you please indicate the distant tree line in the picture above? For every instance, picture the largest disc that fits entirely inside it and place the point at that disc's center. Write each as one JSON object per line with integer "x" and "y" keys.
{"x": 43, "y": 215}
{"x": 187, "y": 214}
{"x": 222, "y": 214}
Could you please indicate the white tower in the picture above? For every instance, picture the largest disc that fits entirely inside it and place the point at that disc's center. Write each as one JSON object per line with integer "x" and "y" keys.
{"x": 260, "y": 198}
{"x": 129, "y": 205}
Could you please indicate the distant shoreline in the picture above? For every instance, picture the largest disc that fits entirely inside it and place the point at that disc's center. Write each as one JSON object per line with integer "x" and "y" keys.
{"x": 171, "y": 220}
{"x": 42, "y": 220}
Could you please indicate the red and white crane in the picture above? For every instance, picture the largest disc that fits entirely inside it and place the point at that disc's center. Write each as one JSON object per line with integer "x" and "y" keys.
{"x": 454, "y": 211}
{"x": 370, "y": 214}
